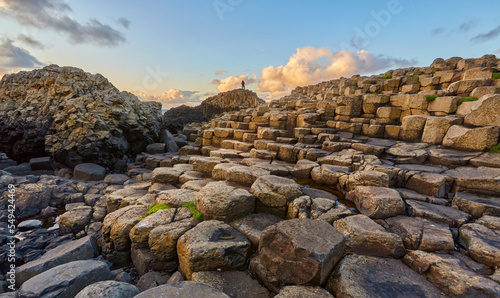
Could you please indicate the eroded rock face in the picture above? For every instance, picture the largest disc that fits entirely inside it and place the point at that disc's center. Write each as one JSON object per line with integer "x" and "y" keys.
{"x": 75, "y": 116}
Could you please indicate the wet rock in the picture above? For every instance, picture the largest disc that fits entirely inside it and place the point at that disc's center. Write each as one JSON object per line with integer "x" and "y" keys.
{"x": 366, "y": 237}
{"x": 81, "y": 249}
{"x": 366, "y": 276}
{"x": 482, "y": 244}
{"x": 29, "y": 224}
{"x": 274, "y": 193}
{"x": 222, "y": 201}
{"x": 183, "y": 289}
{"x": 109, "y": 289}
{"x": 377, "y": 202}
{"x": 252, "y": 226}
{"x": 300, "y": 251}
{"x": 237, "y": 284}
{"x": 451, "y": 275}
{"x": 422, "y": 234}
{"x": 447, "y": 215}
{"x": 212, "y": 245}
{"x": 65, "y": 280}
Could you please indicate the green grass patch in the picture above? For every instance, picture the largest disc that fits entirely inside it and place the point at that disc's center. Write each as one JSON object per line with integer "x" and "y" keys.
{"x": 431, "y": 98}
{"x": 496, "y": 76}
{"x": 495, "y": 149}
{"x": 406, "y": 71}
{"x": 196, "y": 214}
{"x": 466, "y": 99}
{"x": 154, "y": 208}
{"x": 416, "y": 76}
{"x": 387, "y": 76}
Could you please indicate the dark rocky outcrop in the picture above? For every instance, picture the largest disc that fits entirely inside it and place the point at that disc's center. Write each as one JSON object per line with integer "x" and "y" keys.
{"x": 234, "y": 100}
{"x": 74, "y": 116}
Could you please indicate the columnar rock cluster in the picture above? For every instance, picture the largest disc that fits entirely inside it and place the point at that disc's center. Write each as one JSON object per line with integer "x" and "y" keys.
{"x": 73, "y": 116}
{"x": 277, "y": 201}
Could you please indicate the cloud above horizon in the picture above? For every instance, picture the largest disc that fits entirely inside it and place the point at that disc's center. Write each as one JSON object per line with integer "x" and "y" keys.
{"x": 484, "y": 37}
{"x": 30, "y": 41}
{"x": 55, "y": 15}
{"x": 173, "y": 98}
{"x": 437, "y": 31}
{"x": 310, "y": 66}
{"x": 466, "y": 26}
{"x": 14, "y": 58}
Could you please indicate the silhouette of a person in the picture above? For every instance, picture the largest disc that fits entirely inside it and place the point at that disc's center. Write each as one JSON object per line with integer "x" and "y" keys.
{"x": 242, "y": 84}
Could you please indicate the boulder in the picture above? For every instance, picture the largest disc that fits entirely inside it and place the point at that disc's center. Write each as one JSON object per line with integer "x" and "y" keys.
{"x": 482, "y": 243}
{"x": 152, "y": 279}
{"x": 431, "y": 184}
{"x": 366, "y": 178}
{"x": 166, "y": 175}
{"x": 41, "y": 163}
{"x": 74, "y": 116}
{"x": 300, "y": 251}
{"x": 65, "y": 280}
{"x": 30, "y": 199}
{"x": 477, "y": 205}
{"x": 139, "y": 234}
{"x": 75, "y": 220}
{"x": 183, "y": 289}
{"x": 377, "y": 202}
{"x": 89, "y": 172}
{"x": 123, "y": 198}
{"x": 436, "y": 128}
{"x": 366, "y": 237}
{"x": 224, "y": 202}
{"x": 115, "y": 179}
{"x": 176, "y": 197}
{"x": 245, "y": 176}
{"x": 422, "y": 234}
{"x": 274, "y": 193}
{"x": 115, "y": 233}
{"x": 472, "y": 139}
{"x": 237, "y": 284}
{"x": 82, "y": 249}
{"x": 467, "y": 86}
{"x": 302, "y": 291}
{"x": 451, "y": 275}
{"x": 212, "y": 245}
{"x": 252, "y": 226}
{"x": 485, "y": 112}
{"x": 205, "y": 164}
{"x": 109, "y": 289}
{"x": 163, "y": 239}
{"x": 367, "y": 276}
{"x": 444, "y": 214}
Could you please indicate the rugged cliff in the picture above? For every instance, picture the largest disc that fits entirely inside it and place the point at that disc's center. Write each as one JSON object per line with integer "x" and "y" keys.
{"x": 234, "y": 100}
{"x": 74, "y": 116}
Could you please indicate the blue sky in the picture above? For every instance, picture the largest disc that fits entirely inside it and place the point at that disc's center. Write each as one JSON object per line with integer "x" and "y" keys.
{"x": 273, "y": 45}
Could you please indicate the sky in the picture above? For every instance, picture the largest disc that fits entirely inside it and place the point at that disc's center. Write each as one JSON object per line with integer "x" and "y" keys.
{"x": 182, "y": 51}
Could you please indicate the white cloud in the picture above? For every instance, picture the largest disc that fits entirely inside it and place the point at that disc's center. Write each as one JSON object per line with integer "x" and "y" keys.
{"x": 173, "y": 98}
{"x": 234, "y": 82}
{"x": 219, "y": 72}
{"x": 311, "y": 66}
{"x": 55, "y": 15}
{"x": 14, "y": 58}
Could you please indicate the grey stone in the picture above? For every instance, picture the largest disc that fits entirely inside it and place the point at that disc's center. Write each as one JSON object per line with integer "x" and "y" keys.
{"x": 183, "y": 289}
{"x": 89, "y": 172}
{"x": 109, "y": 289}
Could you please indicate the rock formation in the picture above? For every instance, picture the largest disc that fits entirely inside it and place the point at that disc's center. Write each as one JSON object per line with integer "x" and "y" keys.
{"x": 234, "y": 100}
{"x": 74, "y": 116}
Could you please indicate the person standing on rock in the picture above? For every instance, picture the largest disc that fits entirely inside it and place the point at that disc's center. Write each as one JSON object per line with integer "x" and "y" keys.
{"x": 243, "y": 85}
